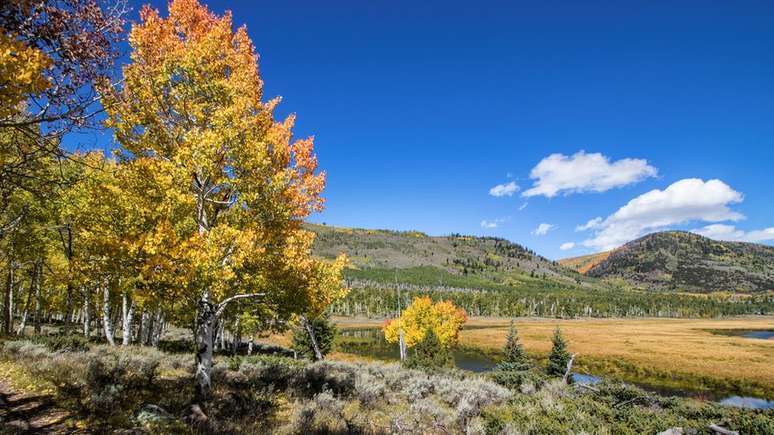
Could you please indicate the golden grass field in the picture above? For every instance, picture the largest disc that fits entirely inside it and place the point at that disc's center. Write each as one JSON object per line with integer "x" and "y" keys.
{"x": 670, "y": 352}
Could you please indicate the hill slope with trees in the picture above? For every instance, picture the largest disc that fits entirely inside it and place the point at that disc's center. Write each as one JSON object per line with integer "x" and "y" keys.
{"x": 683, "y": 261}
{"x": 455, "y": 254}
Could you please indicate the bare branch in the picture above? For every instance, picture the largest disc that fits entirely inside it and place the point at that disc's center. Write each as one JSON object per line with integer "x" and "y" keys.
{"x": 221, "y": 307}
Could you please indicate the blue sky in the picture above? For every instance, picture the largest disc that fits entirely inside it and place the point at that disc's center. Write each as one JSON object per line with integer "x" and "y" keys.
{"x": 420, "y": 108}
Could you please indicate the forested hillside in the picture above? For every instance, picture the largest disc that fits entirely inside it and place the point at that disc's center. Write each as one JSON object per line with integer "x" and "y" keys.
{"x": 494, "y": 277}
{"x": 683, "y": 261}
{"x": 456, "y": 254}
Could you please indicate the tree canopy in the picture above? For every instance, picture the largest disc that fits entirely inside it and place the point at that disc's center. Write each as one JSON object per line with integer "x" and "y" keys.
{"x": 443, "y": 318}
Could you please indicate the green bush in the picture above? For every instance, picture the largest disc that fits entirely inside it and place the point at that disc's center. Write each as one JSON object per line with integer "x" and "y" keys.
{"x": 518, "y": 380}
{"x": 64, "y": 342}
{"x": 325, "y": 332}
{"x": 429, "y": 353}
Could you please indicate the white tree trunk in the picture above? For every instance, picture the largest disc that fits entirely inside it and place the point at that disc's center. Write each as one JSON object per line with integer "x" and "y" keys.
{"x": 106, "y": 315}
{"x": 11, "y": 307}
{"x": 208, "y": 314}
{"x": 7, "y": 315}
{"x": 158, "y": 329}
{"x": 38, "y": 274}
{"x": 312, "y": 339}
{"x": 204, "y": 340}
{"x": 142, "y": 327}
{"x": 402, "y": 345}
{"x": 127, "y": 312}
{"x": 568, "y": 370}
{"x": 23, "y": 323}
{"x": 237, "y": 337}
{"x": 148, "y": 331}
{"x": 221, "y": 335}
{"x": 86, "y": 312}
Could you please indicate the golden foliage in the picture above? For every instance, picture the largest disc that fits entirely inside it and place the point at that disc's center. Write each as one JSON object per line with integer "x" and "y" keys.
{"x": 443, "y": 318}
{"x": 22, "y": 71}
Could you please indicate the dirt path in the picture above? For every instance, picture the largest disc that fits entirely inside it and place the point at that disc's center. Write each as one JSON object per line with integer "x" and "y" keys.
{"x": 25, "y": 413}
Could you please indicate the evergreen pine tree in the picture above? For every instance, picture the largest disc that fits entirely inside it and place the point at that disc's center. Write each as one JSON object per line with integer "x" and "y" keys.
{"x": 559, "y": 356}
{"x": 515, "y": 356}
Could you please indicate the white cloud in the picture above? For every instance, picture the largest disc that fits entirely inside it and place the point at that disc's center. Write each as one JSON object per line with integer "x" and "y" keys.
{"x": 684, "y": 201}
{"x": 506, "y": 189}
{"x": 593, "y": 223}
{"x": 489, "y": 224}
{"x": 543, "y": 229}
{"x": 567, "y": 246}
{"x": 584, "y": 172}
{"x": 731, "y": 233}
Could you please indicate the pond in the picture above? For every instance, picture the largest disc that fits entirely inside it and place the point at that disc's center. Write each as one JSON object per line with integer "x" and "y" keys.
{"x": 370, "y": 342}
{"x": 735, "y": 401}
{"x": 761, "y": 334}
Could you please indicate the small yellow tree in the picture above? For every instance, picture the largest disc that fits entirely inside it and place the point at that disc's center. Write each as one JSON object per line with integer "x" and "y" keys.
{"x": 443, "y": 318}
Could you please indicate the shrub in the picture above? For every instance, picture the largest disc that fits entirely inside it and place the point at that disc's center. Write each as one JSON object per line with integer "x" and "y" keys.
{"x": 64, "y": 342}
{"x": 517, "y": 379}
{"x": 370, "y": 389}
{"x": 106, "y": 385}
{"x": 336, "y": 378}
{"x": 25, "y": 349}
{"x": 324, "y": 414}
{"x": 261, "y": 372}
{"x": 417, "y": 388}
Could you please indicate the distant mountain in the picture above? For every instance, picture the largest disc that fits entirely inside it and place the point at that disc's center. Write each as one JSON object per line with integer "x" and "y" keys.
{"x": 683, "y": 261}
{"x": 456, "y": 254}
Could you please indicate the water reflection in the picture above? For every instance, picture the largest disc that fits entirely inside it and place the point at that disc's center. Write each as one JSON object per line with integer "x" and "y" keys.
{"x": 370, "y": 342}
{"x": 748, "y": 402}
{"x": 584, "y": 379}
{"x": 763, "y": 335}
{"x": 760, "y": 334}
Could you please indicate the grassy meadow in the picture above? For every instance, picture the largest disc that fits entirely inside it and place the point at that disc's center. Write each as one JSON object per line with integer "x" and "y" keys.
{"x": 670, "y": 353}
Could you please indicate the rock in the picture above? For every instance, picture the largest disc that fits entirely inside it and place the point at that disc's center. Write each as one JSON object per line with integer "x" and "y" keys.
{"x": 673, "y": 431}
{"x": 152, "y": 414}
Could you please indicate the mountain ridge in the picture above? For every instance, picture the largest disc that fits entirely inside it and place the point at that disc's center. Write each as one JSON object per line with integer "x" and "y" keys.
{"x": 685, "y": 261}
{"x": 454, "y": 253}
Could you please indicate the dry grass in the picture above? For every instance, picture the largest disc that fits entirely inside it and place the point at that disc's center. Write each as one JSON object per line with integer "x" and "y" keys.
{"x": 20, "y": 378}
{"x": 683, "y": 347}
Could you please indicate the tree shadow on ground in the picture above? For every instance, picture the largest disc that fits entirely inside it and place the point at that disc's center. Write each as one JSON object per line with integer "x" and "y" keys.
{"x": 26, "y": 413}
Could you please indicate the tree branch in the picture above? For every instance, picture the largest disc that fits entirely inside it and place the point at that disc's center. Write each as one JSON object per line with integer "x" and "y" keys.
{"x": 221, "y": 307}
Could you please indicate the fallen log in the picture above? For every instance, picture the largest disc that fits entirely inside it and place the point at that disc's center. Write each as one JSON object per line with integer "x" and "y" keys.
{"x": 722, "y": 431}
